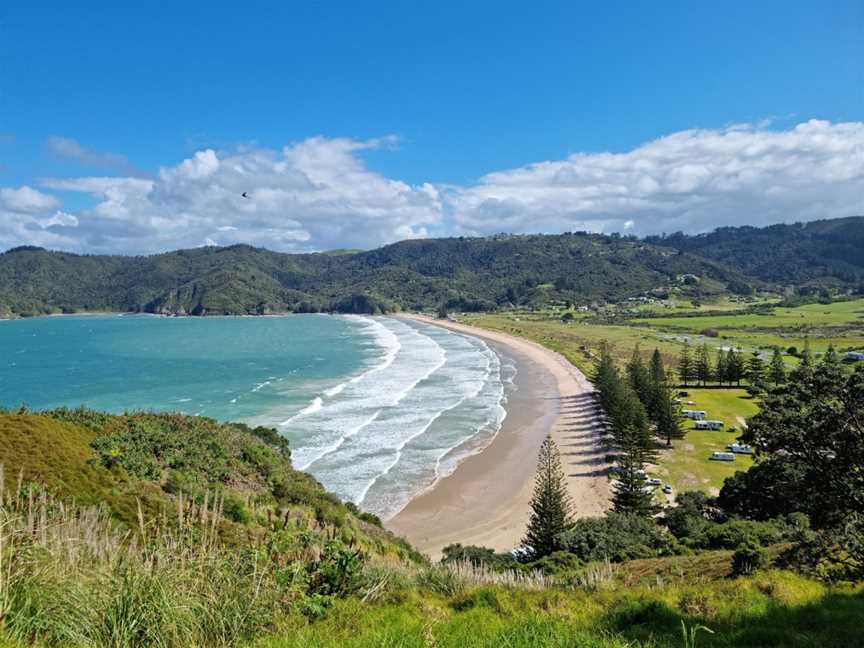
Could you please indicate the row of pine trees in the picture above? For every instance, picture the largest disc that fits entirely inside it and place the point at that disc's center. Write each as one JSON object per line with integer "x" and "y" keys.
{"x": 730, "y": 367}
{"x": 641, "y": 406}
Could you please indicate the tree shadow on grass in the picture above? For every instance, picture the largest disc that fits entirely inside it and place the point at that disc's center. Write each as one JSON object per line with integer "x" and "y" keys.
{"x": 833, "y": 621}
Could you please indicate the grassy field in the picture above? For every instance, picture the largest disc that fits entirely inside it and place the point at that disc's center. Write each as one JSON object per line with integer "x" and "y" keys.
{"x": 687, "y": 466}
{"x": 840, "y": 324}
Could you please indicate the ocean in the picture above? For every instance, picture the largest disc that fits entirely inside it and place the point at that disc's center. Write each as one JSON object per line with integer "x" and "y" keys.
{"x": 376, "y": 408}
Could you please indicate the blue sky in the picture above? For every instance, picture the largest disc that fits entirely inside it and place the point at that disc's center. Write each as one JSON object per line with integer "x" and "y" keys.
{"x": 396, "y": 114}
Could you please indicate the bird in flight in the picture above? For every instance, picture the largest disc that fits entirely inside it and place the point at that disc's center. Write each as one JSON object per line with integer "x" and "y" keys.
{"x": 245, "y": 195}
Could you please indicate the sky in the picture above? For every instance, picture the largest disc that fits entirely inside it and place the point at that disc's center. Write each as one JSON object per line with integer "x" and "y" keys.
{"x": 137, "y": 129}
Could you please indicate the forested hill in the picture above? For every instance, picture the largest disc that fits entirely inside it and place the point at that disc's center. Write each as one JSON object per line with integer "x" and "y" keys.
{"x": 825, "y": 251}
{"x": 465, "y": 273}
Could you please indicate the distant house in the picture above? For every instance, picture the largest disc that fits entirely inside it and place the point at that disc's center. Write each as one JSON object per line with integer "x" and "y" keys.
{"x": 696, "y": 415}
{"x": 853, "y": 356}
{"x": 709, "y": 425}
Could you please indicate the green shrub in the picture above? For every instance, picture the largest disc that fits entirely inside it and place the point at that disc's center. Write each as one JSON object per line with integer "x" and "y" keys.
{"x": 748, "y": 557}
{"x": 616, "y": 537}
{"x": 478, "y": 556}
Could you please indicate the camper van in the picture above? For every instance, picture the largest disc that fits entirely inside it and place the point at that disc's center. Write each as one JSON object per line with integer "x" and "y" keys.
{"x": 722, "y": 456}
{"x": 696, "y": 415}
{"x": 740, "y": 448}
{"x": 709, "y": 425}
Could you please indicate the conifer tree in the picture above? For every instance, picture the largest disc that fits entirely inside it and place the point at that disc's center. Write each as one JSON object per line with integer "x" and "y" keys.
{"x": 807, "y": 355}
{"x": 669, "y": 418}
{"x": 721, "y": 370}
{"x": 550, "y": 504}
{"x": 629, "y": 493}
{"x": 685, "y": 364}
{"x": 657, "y": 371}
{"x": 638, "y": 377}
{"x": 703, "y": 364}
{"x": 777, "y": 369}
{"x": 734, "y": 367}
{"x": 755, "y": 374}
{"x": 658, "y": 381}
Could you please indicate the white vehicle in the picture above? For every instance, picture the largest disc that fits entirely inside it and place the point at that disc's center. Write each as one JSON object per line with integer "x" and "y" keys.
{"x": 653, "y": 482}
{"x": 740, "y": 448}
{"x": 709, "y": 425}
{"x": 696, "y": 415}
{"x": 667, "y": 489}
{"x": 722, "y": 456}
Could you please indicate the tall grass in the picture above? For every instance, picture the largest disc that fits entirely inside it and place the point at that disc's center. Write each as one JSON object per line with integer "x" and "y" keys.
{"x": 71, "y": 576}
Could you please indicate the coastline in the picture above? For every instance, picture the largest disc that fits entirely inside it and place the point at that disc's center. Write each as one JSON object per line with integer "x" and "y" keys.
{"x": 485, "y": 501}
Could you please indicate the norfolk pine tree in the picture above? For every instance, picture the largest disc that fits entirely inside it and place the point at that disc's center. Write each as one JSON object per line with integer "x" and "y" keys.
{"x": 685, "y": 364}
{"x": 629, "y": 493}
{"x": 721, "y": 370}
{"x": 777, "y": 369}
{"x": 755, "y": 374}
{"x": 638, "y": 377}
{"x": 734, "y": 367}
{"x": 550, "y": 504}
{"x": 703, "y": 364}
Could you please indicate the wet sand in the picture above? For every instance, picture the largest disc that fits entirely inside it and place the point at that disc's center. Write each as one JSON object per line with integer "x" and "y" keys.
{"x": 485, "y": 501}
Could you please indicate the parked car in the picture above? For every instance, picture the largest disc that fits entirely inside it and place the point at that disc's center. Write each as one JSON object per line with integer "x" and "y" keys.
{"x": 667, "y": 489}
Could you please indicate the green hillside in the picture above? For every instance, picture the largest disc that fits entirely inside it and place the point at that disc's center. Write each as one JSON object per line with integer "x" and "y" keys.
{"x": 825, "y": 252}
{"x": 464, "y": 273}
{"x": 153, "y": 461}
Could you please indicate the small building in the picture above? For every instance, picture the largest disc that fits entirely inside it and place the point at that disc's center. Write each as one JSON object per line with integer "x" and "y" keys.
{"x": 722, "y": 456}
{"x": 709, "y": 425}
{"x": 696, "y": 415}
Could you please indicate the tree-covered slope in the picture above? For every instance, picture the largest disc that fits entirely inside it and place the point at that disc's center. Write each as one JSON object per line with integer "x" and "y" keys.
{"x": 826, "y": 251}
{"x": 468, "y": 273}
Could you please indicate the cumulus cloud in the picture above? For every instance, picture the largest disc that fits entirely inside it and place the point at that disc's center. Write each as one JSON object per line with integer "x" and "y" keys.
{"x": 319, "y": 193}
{"x": 66, "y": 147}
{"x": 315, "y": 194}
{"x": 26, "y": 200}
{"x": 693, "y": 180}
{"x": 26, "y": 218}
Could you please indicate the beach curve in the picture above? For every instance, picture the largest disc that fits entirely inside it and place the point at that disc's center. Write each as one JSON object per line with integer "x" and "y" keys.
{"x": 485, "y": 501}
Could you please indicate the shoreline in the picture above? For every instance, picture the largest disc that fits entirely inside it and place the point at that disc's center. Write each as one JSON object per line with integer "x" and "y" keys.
{"x": 485, "y": 500}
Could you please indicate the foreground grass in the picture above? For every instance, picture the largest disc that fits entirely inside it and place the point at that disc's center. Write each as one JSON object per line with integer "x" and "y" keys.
{"x": 772, "y": 609}
{"x": 687, "y": 465}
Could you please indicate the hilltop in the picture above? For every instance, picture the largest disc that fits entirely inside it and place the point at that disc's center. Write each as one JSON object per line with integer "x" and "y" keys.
{"x": 463, "y": 273}
{"x": 469, "y": 274}
{"x": 823, "y": 252}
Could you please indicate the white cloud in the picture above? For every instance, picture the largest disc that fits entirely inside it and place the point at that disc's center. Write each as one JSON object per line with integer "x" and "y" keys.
{"x": 693, "y": 180}
{"x": 26, "y": 200}
{"x": 60, "y": 219}
{"x": 314, "y": 194}
{"x": 24, "y": 220}
{"x": 319, "y": 193}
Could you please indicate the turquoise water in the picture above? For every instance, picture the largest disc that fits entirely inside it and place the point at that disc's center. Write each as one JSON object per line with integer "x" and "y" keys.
{"x": 378, "y": 409}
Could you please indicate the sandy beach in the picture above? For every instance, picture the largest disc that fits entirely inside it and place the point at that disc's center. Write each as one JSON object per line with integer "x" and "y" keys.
{"x": 485, "y": 501}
